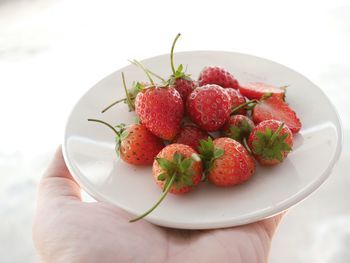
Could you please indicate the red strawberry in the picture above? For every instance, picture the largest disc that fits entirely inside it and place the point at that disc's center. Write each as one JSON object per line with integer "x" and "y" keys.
{"x": 181, "y": 81}
{"x": 135, "y": 144}
{"x": 270, "y": 142}
{"x": 236, "y": 100}
{"x": 219, "y": 76}
{"x": 226, "y": 161}
{"x": 256, "y": 90}
{"x": 277, "y": 109}
{"x": 238, "y": 127}
{"x": 160, "y": 108}
{"x": 191, "y": 135}
{"x": 209, "y": 107}
{"x": 177, "y": 169}
{"x": 184, "y": 86}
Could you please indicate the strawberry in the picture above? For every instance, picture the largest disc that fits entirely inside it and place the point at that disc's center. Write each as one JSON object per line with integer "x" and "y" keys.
{"x": 134, "y": 143}
{"x": 256, "y": 90}
{"x": 209, "y": 107}
{"x": 191, "y": 135}
{"x": 219, "y": 76}
{"x": 238, "y": 127}
{"x": 181, "y": 81}
{"x": 270, "y": 142}
{"x": 226, "y": 161}
{"x": 183, "y": 85}
{"x": 236, "y": 100}
{"x": 160, "y": 109}
{"x": 277, "y": 109}
{"x": 176, "y": 169}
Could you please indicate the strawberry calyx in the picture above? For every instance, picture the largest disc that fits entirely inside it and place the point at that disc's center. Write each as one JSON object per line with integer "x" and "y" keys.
{"x": 130, "y": 95}
{"x": 120, "y": 133}
{"x": 178, "y": 171}
{"x": 209, "y": 153}
{"x": 271, "y": 145}
{"x": 238, "y": 132}
{"x": 250, "y": 104}
{"x": 179, "y": 167}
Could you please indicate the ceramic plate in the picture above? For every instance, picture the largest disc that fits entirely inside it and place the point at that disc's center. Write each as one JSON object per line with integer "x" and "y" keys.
{"x": 89, "y": 149}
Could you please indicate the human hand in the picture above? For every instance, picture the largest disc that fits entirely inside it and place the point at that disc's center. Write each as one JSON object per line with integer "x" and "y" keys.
{"x": 68, "y": 230}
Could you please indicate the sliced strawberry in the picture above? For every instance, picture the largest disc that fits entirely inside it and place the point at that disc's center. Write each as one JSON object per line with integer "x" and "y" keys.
{"x": 255, "y": 90}
{"x": 276, "y": 109}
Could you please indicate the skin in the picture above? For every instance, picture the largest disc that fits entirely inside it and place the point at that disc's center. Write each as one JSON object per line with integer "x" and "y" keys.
{"x": 68, "y": 230}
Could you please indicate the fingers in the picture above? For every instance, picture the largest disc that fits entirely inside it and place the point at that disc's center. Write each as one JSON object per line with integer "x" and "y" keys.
{"x": 270, "y": 224}
{"x": 57, "y": 181}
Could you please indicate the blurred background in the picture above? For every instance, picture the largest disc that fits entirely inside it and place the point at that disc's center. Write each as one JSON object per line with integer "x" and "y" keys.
{"x": 52, "y": 51}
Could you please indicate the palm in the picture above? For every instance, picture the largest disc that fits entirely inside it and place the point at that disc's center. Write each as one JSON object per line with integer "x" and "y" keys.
{"x": 68, "y": 230}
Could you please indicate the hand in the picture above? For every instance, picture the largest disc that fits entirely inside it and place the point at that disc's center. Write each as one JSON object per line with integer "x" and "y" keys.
{"x": 68, "y": 230}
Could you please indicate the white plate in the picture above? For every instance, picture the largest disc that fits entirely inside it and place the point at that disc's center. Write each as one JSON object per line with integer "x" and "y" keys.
{"x": 89, "y": 149}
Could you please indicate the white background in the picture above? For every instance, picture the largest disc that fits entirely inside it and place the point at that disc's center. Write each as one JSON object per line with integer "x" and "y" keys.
{"x": 51, "y": 52}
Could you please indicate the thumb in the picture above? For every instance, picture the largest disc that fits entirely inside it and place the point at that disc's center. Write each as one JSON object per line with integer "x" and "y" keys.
{"x": 57, "y": 181}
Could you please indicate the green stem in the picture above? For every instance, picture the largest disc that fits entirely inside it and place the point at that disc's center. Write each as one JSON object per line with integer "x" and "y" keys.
{"x": 110, "y": 106}
{"x": 159, "y": 201}
{"x": 243, "y": 105}
{"x": 156, "y": 75}
{"x": 105, "y": 123}
{"x": 275, "y": 134}
{"x": 149, "y": 71}
{"x": 245, "y": 144}
{"x": 172, "y": 53}
{"x": 127, "y": 93}
{"x": 137, "y": 63}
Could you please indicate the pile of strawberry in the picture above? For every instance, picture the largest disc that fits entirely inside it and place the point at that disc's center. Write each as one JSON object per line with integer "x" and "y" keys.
{"x": 211, "y": 129}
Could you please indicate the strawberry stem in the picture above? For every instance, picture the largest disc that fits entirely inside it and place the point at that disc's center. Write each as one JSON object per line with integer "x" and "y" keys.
{"x": 128, "y": 99}
{"x": 107, "y": 124}
{"x": 275, "y": 134}
{"x": 159, "y": 201}
{"x": 149, "y": 71}
{"x": 156, "y": 75}
{"x": 236, "y": 109}
{"x": 127, "y": 93}
{"x": 137, "y": 63}
{"x": 110, "y": 106}
{"x": 172, "y": 53}
{"x": 245, "y": 144}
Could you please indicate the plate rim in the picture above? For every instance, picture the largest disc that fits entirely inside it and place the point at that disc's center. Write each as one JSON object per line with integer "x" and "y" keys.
{"x": 245, "y": 219}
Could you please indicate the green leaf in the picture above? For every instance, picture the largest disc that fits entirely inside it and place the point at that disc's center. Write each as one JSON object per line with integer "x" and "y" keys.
{"x": 164, "y": 164}
{"x": 162, "y": 176}
{"x": 177, "y": 158}
{"x": 187, "y": 181}
{"x": 268, "y": 133}
{"x": 123, "y": 135}
{"x": 218, "y": 153}
{"x": 234, "y": 133}
{"x": 186, "y": 164}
